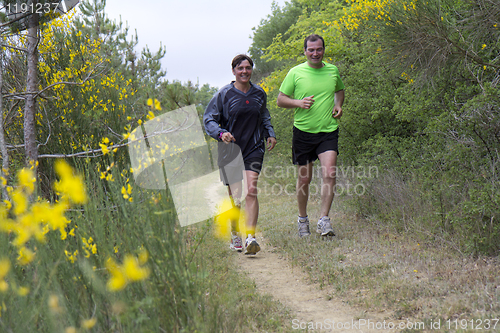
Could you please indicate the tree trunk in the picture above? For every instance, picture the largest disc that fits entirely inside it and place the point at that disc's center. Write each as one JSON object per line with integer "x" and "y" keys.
{"x": 31, "y": 149}
{"x": 3, "y": 145}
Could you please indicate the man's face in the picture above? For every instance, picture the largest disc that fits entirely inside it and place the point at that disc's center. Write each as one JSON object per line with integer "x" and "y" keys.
{"x": 314, "y": 53}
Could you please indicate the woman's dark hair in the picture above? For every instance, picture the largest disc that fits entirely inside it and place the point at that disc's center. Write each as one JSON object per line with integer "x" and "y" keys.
{"x": 239, "y": 59}
{"x": 313, "y": 38}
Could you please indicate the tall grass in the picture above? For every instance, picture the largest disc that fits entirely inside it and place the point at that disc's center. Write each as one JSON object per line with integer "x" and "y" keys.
{"x": 433, "y": 209}
{"x": 67, "y": 281}
{"x": 125, "y": 265}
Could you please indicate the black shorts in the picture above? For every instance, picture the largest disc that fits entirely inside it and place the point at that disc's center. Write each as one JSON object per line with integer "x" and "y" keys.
{"x": 233, "y": 172}
{"x": 307, "y": 146}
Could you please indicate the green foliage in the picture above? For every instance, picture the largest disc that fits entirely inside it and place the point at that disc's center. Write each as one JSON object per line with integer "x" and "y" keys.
{"x": 421, "y": 105}
{"x": 275, "y": 24}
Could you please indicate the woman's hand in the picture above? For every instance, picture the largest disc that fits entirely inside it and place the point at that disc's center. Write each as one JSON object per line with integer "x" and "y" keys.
{"x": 227, "y": 137}
{"x": 271, "y": 142}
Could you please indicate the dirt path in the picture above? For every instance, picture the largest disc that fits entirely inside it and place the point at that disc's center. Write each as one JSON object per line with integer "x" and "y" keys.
{"x": 311, "y": 309}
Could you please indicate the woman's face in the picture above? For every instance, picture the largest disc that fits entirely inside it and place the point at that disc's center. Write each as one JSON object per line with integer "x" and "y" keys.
{"x": 243, "y": 72}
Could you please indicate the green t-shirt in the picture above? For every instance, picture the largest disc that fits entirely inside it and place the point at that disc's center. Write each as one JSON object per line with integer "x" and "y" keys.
{"x": 302, "y": 81}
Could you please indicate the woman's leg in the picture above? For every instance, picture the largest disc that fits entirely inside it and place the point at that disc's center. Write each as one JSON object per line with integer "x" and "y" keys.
{"x": 251, "y": 201}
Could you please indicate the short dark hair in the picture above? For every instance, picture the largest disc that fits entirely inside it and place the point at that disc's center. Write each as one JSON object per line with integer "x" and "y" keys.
{"x": 313, "y": 38}
{"x": 239, "y": 59}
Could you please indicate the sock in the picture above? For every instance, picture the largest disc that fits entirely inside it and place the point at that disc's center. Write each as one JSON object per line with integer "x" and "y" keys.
{"x": 235, "y": 226}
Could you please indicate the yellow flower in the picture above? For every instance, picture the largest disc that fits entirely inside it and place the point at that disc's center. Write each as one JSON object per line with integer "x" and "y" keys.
{"x": 3, "y": 286}
{"x": 25, "y": 256}
{"x": 104, "y": 148}
{"x": 27, "y": 179}
{"x": 117, "y": 281}
{"x": 4, "y": 270}
{"x": 150, "y": 115}
{"x": 23, "y": 291}
{"x": 130, "y": 271}
{"x": 20, "y": 201}
{"x": 89, "y": 323}
{"x": 149, "y": 102}
{"x": 70, "y": 329}
{"x": 3, "y": 181}
{"x": 124, "y": 193}
{"x": 53, "y": 303}
{"x": 8, "y": 204}
{"x": 133, "y": 271}
{"x": 227, "y": 213}
{"x": 70, "y": 184}
{"x": 71, "y": 257}
{"x": 157, "y": 105}
{"x": 143, "y": 257}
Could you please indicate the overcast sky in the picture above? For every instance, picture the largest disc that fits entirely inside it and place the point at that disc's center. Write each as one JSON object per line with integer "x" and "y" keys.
{"x": 201, "y": 36}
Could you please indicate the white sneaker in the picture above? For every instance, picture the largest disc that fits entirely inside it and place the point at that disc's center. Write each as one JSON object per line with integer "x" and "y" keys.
{"x": 303, "y": 226}
{"x": 236, "y": 242}
{"x": 251, "y": 245}
{"x": 325, "y": 227}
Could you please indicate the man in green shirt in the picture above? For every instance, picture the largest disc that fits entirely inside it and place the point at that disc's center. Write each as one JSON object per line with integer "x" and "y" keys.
{"x": 316, "y": 92}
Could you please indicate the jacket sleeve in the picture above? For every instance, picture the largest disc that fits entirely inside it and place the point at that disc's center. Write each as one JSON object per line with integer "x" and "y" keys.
{"x": 266, "y": 120}
{"x": 212, "y": 117}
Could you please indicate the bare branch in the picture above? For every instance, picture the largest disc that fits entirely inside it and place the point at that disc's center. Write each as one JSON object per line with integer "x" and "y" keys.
{"x": 14, "y": 47}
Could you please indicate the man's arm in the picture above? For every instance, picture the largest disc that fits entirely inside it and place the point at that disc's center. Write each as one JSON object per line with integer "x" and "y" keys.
{"x": 285, "y": 101}
{"x": 339, "y": 101}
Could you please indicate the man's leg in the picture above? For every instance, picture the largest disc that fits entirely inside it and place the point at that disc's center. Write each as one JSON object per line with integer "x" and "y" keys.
{"x": 328, "y": 161}
{"x": 303, "y": 180}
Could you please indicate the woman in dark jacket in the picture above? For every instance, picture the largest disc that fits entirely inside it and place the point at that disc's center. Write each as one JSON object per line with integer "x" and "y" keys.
{"x": 237, "y": 116}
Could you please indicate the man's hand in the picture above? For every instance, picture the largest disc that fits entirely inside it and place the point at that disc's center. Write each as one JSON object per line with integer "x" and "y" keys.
{"x": 337, "y": 112}
{"x": 339, "y": 101}
{"x": 285, "y": 101}
{"x": 306, "y": 102}
{"x": 271, "y": 142}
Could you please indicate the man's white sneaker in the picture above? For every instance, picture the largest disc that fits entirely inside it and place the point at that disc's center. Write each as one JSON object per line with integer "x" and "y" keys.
{"x": 303, "y": 226}
{"x": 325, "y": 227}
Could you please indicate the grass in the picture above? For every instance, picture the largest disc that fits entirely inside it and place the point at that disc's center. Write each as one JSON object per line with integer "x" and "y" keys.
{"x": 241, "y": 306}
{"x": 179, "y": 279}
{"x": 192, "y": 284}
{"x": 374, "y": 266}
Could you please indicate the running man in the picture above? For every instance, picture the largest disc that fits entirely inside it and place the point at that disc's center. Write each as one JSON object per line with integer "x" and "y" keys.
{"x": 316, "y": 92}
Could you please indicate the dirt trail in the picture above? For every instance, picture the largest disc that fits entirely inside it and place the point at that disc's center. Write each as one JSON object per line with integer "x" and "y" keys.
{"x": 274, "y": 275}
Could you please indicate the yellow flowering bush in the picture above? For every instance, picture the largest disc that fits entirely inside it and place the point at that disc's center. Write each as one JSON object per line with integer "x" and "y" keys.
{"x": 27, "y": 221}
{"x": 131, "y": 270}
